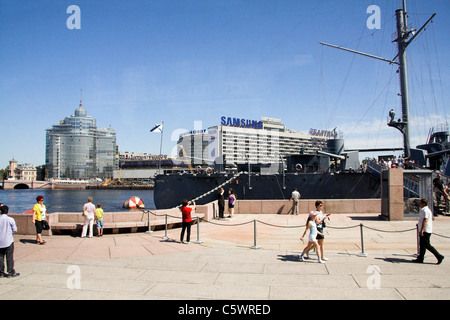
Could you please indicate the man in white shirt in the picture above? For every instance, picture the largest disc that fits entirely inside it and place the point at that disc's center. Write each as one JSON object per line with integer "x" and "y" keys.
{"x": 295, "y": 196}
{"x": 425, "y": 229}
{"x": 7, "y": 228}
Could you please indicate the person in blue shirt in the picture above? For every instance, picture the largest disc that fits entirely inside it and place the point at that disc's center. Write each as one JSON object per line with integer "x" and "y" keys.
{"x": 7, "y": 228}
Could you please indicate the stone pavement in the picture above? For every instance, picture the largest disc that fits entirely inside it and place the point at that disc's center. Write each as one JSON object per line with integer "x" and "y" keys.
{"x": 224, "y": 266}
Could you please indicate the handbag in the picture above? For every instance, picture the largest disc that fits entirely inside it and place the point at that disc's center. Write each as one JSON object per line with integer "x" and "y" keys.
{"x": 45, "y": 225}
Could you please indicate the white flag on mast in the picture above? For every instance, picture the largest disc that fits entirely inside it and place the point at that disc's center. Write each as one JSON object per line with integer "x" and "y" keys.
{"x": 157, "y": 128}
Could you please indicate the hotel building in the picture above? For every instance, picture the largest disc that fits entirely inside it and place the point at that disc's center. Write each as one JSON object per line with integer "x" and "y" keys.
{"x": 241, "y": 141}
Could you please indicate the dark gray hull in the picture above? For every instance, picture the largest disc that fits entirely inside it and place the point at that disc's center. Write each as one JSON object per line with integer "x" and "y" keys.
{"x": 171, "y": 189}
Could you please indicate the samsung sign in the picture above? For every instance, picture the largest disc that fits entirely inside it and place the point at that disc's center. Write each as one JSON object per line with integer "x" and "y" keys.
{"x": 242, "y": 123}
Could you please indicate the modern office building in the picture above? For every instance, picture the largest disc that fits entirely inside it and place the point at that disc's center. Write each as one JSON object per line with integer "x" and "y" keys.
{"x": 77, "y": 149}
{"x": 241, "y": 141}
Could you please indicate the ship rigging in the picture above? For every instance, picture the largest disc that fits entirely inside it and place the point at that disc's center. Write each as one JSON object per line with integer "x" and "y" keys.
{"x": 404, "y": 38}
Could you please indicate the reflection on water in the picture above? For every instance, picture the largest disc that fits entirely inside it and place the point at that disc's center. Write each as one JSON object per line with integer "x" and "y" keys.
{"x": 20, "y": 201}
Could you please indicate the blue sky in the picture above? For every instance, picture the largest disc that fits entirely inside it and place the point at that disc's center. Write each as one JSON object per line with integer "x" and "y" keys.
{"x": 183, "y": 61}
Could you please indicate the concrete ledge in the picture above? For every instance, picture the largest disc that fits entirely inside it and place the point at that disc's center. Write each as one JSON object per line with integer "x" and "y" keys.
{"x": 116, "y": 222}
{"x": 135, "y": 221}
{"x": 305, "y": 206}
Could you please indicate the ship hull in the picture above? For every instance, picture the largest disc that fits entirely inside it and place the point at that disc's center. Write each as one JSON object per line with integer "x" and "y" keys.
{"x": 170, "y": 190}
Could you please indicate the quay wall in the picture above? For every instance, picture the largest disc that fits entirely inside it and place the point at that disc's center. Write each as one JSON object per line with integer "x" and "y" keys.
{"x": 113, "y": 220}
{"x": 334, "y": 206}
{"x": 135, "y": 220}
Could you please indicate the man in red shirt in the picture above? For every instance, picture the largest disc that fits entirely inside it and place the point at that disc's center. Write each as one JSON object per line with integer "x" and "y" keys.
{"x": 186, "y": 210}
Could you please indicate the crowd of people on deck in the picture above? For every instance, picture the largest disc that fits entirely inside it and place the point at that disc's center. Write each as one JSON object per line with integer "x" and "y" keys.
{"x": 397, "y": 162}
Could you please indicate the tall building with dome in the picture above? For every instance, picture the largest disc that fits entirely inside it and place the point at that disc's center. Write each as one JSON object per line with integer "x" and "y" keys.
{"x": 77, "y": 149}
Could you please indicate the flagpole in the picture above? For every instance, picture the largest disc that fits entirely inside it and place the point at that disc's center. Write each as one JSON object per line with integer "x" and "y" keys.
{"x": 160, "y": 147}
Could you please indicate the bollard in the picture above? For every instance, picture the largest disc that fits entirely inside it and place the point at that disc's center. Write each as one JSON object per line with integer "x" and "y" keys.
{"x": 165, "y": 232}
{"x": 198, "y": 232}
{"x": 149, "y": 226}
{"x": 362, "y": 254}
{"x": 255, "y": 246}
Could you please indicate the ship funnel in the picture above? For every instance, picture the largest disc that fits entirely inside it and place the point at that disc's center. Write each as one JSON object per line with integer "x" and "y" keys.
{"x": 335, "y": 146}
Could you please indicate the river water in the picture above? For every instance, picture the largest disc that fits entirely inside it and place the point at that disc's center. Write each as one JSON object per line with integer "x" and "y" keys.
{"x": 20, "y": 201}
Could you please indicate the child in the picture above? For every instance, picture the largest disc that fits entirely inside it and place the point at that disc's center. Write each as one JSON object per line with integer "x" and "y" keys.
{"x": 312, "y": 241}
{"x": 99, "y": 216}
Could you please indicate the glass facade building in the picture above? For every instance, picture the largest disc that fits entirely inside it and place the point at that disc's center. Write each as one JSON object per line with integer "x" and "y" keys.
{"x": 77, "y": 149}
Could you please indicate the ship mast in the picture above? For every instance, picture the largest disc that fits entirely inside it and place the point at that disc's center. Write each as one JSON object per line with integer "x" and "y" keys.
{"x": 403, "y": 40}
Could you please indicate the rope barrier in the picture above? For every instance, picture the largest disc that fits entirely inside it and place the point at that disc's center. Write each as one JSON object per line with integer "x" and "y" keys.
{"x": 273, "y": 225}
{"x": 256, "y": 246}
{"x": 351, "y": 227}
{"x": 391, "y": 231}
{"x": 229, "y": 225}
{"x": 439, "y": 235}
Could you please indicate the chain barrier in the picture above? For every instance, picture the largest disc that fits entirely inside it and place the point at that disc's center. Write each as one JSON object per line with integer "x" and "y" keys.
{"x": 255, "y": 221}
{"x": 343, "y": 227}
{"x": 229, "y": 225}
{"x": 393, "y": 231}
{"x": 255, "y": 246}
{"x": 440, "y": 235}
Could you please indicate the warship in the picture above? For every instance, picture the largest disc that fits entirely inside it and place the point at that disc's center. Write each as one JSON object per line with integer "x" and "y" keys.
{"x": 330, "y": 172}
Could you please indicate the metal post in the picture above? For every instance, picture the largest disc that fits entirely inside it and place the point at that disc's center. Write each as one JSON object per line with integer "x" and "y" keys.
{"x": 160, "y": 147}
{"x": 149, "y": 226}
{"x": 249, "y": 171}
{"x": 418, "y": 240}
{"x": 362, "y": 254}
{"x": 198, "y": 232}
{"x": 255, "y": 246}
{"x": 165, "y": 233}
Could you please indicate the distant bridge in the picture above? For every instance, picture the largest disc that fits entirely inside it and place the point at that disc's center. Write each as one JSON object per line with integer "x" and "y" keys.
{"x": 25, "y": 184}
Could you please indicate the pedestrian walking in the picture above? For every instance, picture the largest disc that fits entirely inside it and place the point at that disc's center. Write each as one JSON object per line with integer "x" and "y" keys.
{"x": 425, "y": 229}
{"x": 295, "y": 197}
{"x": 312, "y": 241}
{"x": 99, "y": 218}
{"x": 186, "y": 209}
{"x": 319, "y": 218}
{"x": 7, "y": 228}
{"x": 88, "y": 214}
{"x": 40, "y": 215}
